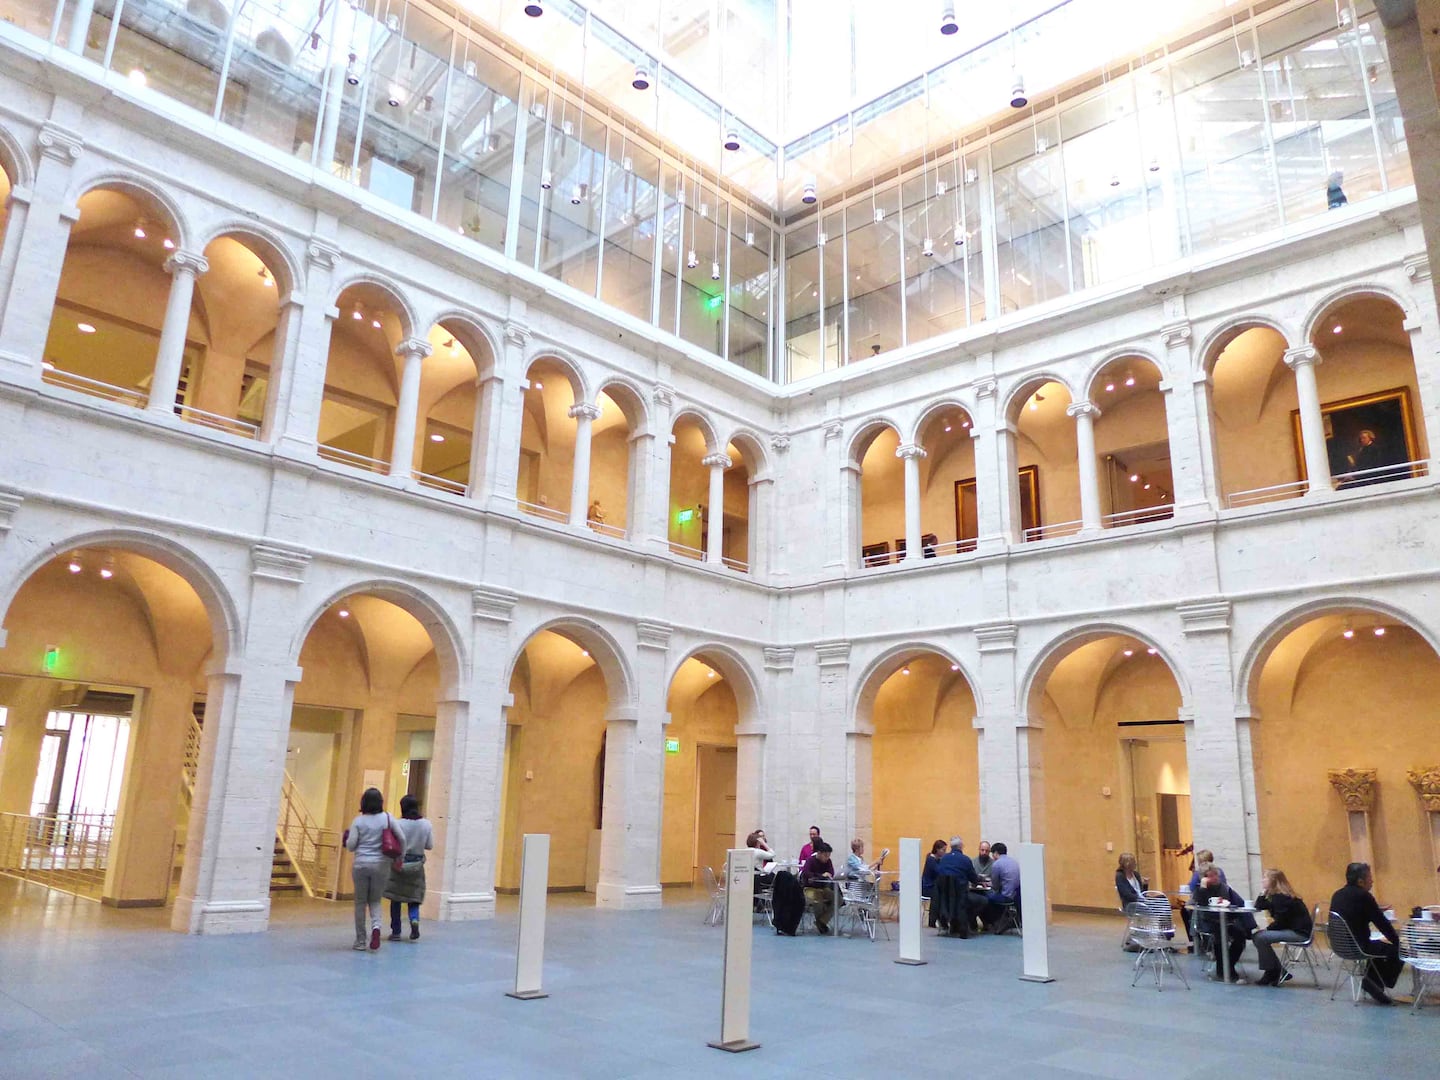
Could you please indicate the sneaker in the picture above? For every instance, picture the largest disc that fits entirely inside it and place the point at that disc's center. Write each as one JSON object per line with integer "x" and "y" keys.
{"x": 1241, "y": 980}
{"x": 414, "y": 931}
{"x": 359, "y": 946}
{"x": 394, "y": 937}
{"x": 1267, "y": 979}
{"x": 824, "y": 930}
{"x": 1285, "y": 977}
{"x": 375, "y": 939}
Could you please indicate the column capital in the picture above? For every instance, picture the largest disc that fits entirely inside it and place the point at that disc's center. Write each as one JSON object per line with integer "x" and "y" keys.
{"x": 1417, "y": 267}
{"x": 910, "y": 450}
{"x": 987, "y": 388}
{"x": 321, "y": 253}
{"x": 833, "y": 428}
{"x": 1302, "y": 355}
{"x": 997, "y": 637}
{"x": 278, "y": 563}
{"x": 713, "y": 460}
{"x": 1427, "y": 785}
{"x": 1083, "y": 408}
{"x": 516, "y": 334}
{"x": 663, "y": 394}
{"x": 780, "y": 442}
{"x": 833, "y": 654}
{"x": 1176, "y": 335}
{"x": 653, "y": 635}
{"x": 414, "y": 346}
{"x": 584, "y": 410}
{"x": 1204, "y": 616}
{"x": 189, "y": 262}
{"x": 10, "y": 501}
{"x": 492, "y": 604}
{"x": 59, "y": 143}
{"x": 1356, "y": 788}
{"x": 779, "y": 659}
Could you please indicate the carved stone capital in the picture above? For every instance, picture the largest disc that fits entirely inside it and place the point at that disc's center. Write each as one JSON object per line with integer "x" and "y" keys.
{"x": 1176, "y": 336}
{"x": 276, "y": 563}
{"x": 779, "y": 659}
{"x": 417, "y": 347}
{"x": 1417, "y": 267}
{"x": 1204, "y": 616}
{"x": 1356, "y": 788}
{"x": 1427, "y": 786}
{"x": 997, "y": 637}
{"x": 1301, "y": 355}
{"x": 833, "y": 428}
{"x": 911, "y": 450}
{"x": 321, "y": 254}
{"x": 186, "y": 262}
{"x": 663, "y": 395}
{"x": 780, "y": 442}
{"x": 833, "y": 654}
{"x": 653, "y": 635}
{"x": 9, "y": 503}
{"x": 516, "y": 334}
{"x": 493, "y": 605}
{"x": 987, "y": 388}
{"x": 712, "y": 460}
{"x": 584, "y": 410}
{"x": 60, "y": 144}
{"x": 1083, "y": 408}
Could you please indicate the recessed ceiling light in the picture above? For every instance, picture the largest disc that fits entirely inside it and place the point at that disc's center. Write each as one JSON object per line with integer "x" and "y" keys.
{"x": 137, "y": 77}
{"x": 1379, "y": 631}
{"x": 139, "y": 230}
{"x": 1152, "y": 650}
{"x": 954, "y": 667}
{"x": 1134, "y": 478}
{"x": 106, "y": 573}
{"x": 74, "y": 566}
{"x": 435, "y": 436}
{"x": 537, "y": 386}
{"x": 1337, "y": 328}
{"x": 85, "y": 328}
{"x": 904, "y": 671}
{"x": 710, "y": 674}
{"x": 1129, "y": 652}
{"x": 584, "y": 652}
{"x": 344, "y": 613}
{"x": 1109, "y": 387}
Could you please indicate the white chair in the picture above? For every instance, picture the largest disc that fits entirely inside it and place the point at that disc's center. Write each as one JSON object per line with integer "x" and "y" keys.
{"x": 1153, "y": 933}
{"x": 1355, "y": 963}
{"x": 1420, "y": 949}
{"x": 1294, "y": 953}
{"x": 717, "y": 899}
{"x": 860, "y": 903}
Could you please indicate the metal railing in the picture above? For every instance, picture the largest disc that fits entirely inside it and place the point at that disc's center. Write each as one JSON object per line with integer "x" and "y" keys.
{"x": 1274, "y": 493}
{"x": 549, "y": 513}
{"x": 607, "y": 530}
{"x": 125, "y": 395}
{"x": 314, "y": 851}
{"x": 686, "y": 551}
{"x": 1051, "y": 532}
{"x": 736, "y": 564}
{"x": 950, "y": 547}
{"x": 67, "y": 852}
{"x": 190, "y": 765}
{"x": 229, "y": 424}
{"x": 1123, "y": 518}
{"x": 1385, "y": 474}
{"x": 441, "y": 483}
{"x": 355, "y": 461}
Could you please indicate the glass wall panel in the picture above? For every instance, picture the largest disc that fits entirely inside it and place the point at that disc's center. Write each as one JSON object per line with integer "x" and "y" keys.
{"x": 804, "y": 352}
{"x": 1319, "y": 116}
{"x": 632, "y": 200}
{"x": 875, "y": 243}
{"x": 177, "y": 51}
{"x": 1105, "y": 187}
{"x": 1029, "y": 194}
{"x": 267, "y": 96}
{"x": 1368, "y": 40}
{"x": 702, "y": 278}
{"x": 1159, "y": 153}
{"x": 835, "y": 288}
{"x": 672, "y": 251}
{"x": 570, "y": 210}
{"x": 538, "y": 100}
{"x": 1220, "y": 114}
{"x": 482, "y": 108}
{"x": 935, "y": 291}
{"x": 752, "y": 277}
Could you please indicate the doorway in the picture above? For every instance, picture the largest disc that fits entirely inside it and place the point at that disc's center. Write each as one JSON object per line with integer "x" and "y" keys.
{"x": 1159, "y": 811}
{"x": 714, "y": 805}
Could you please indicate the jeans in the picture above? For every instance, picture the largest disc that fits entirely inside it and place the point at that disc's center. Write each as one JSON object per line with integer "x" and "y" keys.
{"x": 369, "y": 881}
{"x": 395, "y": 906}
{"x": 822, "y": 902}
{"x": 1265, "y": 942}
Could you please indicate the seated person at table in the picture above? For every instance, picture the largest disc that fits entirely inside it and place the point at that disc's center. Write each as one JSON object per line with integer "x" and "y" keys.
{"x": 958, "y": 867}
{"x": 983, "y": 859}
{"x": 1289, "y": 922}
{"x": 1213, "y": 887}
{"x": 809, "y": 848}
{"x": 820, "y": 896}
{"x": 1004, "y": 883}
{"x": 1128, "y": 882}
{"x": 1204, "y": 859}
{"x": 764, "y": 857}
{"x": 855, "y": 866}
{"x": 932, "y": 866}
{"x": 1355, "y": 904}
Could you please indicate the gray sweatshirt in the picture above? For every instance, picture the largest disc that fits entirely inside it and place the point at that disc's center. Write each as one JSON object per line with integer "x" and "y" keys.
{"x": 364, "y": 837}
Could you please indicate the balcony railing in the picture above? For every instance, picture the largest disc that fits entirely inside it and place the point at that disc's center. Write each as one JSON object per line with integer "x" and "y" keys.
{"x": 613, "y": 531}
{"x": 68, "y": 852}
{"x": 1146, "y": 514}
{"x": 1385, "y": 474}
{"x": 1274, "y": 493}
{"x": 687, "y": 551}
{"x": 736, "y": 564}
{"x": 1051, "y": 532}
{"x": 355, "y": 461}
{"x": 228, "y": 424}
{"x": 441, "y": 483}
{"x": 549, "y": 513}
{"x": 125, "y": 395}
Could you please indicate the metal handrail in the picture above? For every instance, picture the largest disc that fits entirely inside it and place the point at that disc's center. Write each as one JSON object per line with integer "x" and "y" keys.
{"x": 127, "y": 395}
{"x": 950, "y": 547}
{"x": 1273, "y": 493}
{"x": 736, "y": 564}
{"x": 232, "y": 425}
{"x": 66, "y": 852}
{"x": 687, "y": 551}
{"x": 441, "y": 483}
{"x": 607, "y": 530}
{"x": 1051, "y": 532}
{"x": 347, "y": 457}
{"x": 1404, "y": 470}
{"x": 1122, "y": 518}
{"x": 549, "y": 513}
{"x": 313, "y": 849}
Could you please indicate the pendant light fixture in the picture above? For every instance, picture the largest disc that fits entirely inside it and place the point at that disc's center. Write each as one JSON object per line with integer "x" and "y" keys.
{"x": 641, "y": 81}
{"x": 1018, "y": 97}
{"x": 808, "y": 196}
{"x": 534, "y": 9}
{"x": 732, "y": 140}
{"x": 948, "y": 25}
{"x": 352, "y": 72}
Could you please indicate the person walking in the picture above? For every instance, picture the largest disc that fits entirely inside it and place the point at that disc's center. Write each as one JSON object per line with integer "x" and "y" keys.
{"x": 371, "y": 868}
{"x": 406, "y": 885}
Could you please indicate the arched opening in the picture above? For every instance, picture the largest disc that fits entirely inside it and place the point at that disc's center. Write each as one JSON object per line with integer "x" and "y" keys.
{"x": 238, "y": 297}
{"x": 1118, "y": 770}
{"x": 6, "y": 185}
{"x": 1047, "y": 460}
{"x": 364, "y": 715}
{"x": 555, "y": 743}
{"x": 1348, "y": 688}
{"x": 612, "y": 461}
{"x": 737, "y": 547}
{"x": 949, "y": 514}
{"x": 547, "y": 442}
{"x": 1132, "y": 443}
{"x": 102, "y": 699}
{"x": 880, "y": 507}
{"x": 362, "y": 379}
{"x": 1252, "y": 404}
{"x": 448, "y": 385}
{"x": 924, "y": 753}
{"x": 689, "y": 486}
{"x": 1369, "y": 395}
{"x": 104, "y": 333}
{"x": 701, "y": 772}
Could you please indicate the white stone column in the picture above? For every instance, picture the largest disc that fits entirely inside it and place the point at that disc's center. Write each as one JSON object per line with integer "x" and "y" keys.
{"x": 298, "y": 388}
{"x": 1302, "y": 361}
{"x": 17, "y": 209}
{"x": 653, "y": 526}
{"x": 183, "y": 267}
{"x": 1085, "y": 414}
{"x": 840, "y": 485}
{"x": 1006, "y": 804}
{"x": 43, "y": 235}
{"x": 641, "y": 478}
{"x": 715, "y": 526}
{"x": 1187, "y": 429}
{"x": 835, "y": 800}
{"x": 912, "y": 454}
{"x": 760, "y": 525}
{"x": 778, "y": 807}
{"x": 412, "y": 353}
{"x": 997, "y": 499}
{"x": 584, "y": 414}
{"x": 749, "y": 780}
{"x": 1424, "y": 330}
{"x": 500, "y": 413}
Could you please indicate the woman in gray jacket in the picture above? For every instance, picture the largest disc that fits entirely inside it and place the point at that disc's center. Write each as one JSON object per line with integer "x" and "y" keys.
{"x": 372, "y": 868}
{"x": 407, "y": 885}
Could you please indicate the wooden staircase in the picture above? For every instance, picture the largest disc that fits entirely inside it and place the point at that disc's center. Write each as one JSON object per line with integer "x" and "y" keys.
{"x": 284, "y": 878}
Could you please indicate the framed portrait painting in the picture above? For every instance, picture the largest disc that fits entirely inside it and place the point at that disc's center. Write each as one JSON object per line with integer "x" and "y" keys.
{"x": 967, "y": 519}
{"x": 1368, "y": 439}
{"x": 875, "y": 554}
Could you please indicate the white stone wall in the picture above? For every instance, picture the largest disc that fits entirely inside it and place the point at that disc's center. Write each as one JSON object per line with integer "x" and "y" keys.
{"x": 269, "y": 534}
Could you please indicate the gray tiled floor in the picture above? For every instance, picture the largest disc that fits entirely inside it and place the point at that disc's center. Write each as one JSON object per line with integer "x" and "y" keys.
{"x": 102, "y": 993}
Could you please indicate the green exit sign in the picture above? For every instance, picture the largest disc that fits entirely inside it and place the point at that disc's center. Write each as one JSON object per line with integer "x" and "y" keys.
{"x": 672, "y": 746}
{"x": 685, "y": 516}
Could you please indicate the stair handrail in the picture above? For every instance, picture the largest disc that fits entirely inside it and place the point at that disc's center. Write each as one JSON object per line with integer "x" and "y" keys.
{"x": 191, "y": 766}
{"x": 311, "y": 848}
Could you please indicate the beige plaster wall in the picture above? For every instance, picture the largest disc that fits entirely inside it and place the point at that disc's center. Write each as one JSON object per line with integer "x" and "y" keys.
{"x": 709, "y": 718}
{"x": 882, "y": 492}
{"x": 951, "y": 457}
{"x": 1045, "y": 437}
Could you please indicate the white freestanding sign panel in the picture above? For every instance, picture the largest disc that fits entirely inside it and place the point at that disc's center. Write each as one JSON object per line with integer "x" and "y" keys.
{"x": 1032, "y": 910}
{"x": 739, "y": 936}
{"x": 910, "y": 901}
{"x": 534, "y": 886}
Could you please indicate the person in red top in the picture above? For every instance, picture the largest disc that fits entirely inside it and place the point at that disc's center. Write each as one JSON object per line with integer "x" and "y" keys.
{"x": 809, "y": 848}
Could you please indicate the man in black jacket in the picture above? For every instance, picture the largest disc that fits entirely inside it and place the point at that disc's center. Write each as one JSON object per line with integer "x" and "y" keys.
{"x": 1357, "y": 907}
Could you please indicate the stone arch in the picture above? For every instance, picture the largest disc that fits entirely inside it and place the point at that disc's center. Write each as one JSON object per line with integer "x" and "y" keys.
{"x": 1216, "y": 341}
{"x": 473, "y": 330}
{"x": 574, "y": 373}
{"x": 737, "y": 672}
{"x": 15, "y": 159}
{"x": 1368, "y": 290}
{"x": 145, "y": 191}
{"x": 1043, "y": 664}
{"x": 1015, "y": 397}
{"x": 219, "y": 603}
{"x": 403, "y": 308}
{"x": 271, "y": 249}
{"x": 874, "y": 674}
{"x": 1142, "y": 355}
{"x": 703, "y": 422}
{"x": 444, "y": 635}
{"x": 604, "y": 649}
{"x": 865, "y": 434}
{"x": 1252, "y": 664}
{"x": 754, "y": 448}
{"x": 631, "y": 401}
{"x": 935, "y": 408}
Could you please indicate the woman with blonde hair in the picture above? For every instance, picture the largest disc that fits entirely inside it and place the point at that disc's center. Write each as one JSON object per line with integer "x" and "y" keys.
{"x": 1128, "y": 882}
{"x": 1289, "y": 922}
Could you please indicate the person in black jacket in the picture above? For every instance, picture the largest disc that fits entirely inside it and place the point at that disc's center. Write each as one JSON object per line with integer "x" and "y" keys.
{"x": 1207, "y": 922}
{"x": 1289, "y": 921}
{"x": 1128, "y": 882}
{"x": 932, "y": 866}
{"x": 1358, "y": 909}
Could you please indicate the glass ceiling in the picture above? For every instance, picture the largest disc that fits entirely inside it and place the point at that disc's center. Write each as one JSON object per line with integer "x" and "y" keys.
{"x": 836, "y": 91}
